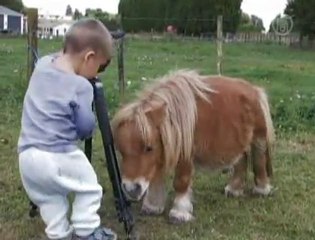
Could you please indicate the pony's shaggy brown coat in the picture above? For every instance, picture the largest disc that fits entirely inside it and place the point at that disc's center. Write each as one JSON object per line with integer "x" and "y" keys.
{"x": 211, "y": 121}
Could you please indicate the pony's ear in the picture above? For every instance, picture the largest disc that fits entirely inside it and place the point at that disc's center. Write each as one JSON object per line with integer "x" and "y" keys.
{"x": 156, "y": 112}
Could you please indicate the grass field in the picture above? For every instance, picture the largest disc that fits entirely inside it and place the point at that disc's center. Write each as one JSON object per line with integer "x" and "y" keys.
{"x": 288, "y": 76}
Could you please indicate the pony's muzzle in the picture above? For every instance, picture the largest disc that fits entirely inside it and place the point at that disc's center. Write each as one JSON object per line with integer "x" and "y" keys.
{"x": 134, "y": 189}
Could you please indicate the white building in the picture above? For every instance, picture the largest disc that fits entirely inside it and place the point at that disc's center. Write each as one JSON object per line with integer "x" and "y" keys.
{"x": 60, "y": 30}
{"x": 52, "y": 25}
{"x": 50, "y": 28}
{"x": 44, "y": 14}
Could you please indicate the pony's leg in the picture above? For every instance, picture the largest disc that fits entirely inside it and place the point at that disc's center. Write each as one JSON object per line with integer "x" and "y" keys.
{"x": 261, "y": 175}
{"x": 155, "y": 198}
{"x": 182, "y": 206}
{"x": 235, "y": 187}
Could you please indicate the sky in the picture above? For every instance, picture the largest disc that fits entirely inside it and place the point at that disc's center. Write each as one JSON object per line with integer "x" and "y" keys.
{"x": 265, "y": 9}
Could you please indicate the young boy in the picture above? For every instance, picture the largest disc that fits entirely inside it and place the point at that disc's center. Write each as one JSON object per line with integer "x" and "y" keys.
{"x": 57, "y": 112}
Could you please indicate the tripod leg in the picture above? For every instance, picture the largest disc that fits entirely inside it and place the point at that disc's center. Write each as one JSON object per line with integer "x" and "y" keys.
{"x": 33, "y": 210}
{"x": 88, "y": 149}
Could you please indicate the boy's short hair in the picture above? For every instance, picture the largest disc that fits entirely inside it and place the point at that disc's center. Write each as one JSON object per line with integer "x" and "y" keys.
{"x": 88, "y": 33}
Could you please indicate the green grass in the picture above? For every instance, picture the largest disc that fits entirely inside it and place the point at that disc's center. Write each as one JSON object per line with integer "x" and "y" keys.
{"x": 288, "y": 76}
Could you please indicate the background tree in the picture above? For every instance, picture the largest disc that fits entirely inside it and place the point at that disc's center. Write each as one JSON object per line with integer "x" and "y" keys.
{"x": 69, "y": 11}
{"x": 231, "y": 11}
{"x": 258, "y": 23}
{"x": 274, "y": 20}
{"x": 188, "y": 16}
{"x": 303, "y": 14}
{"x": 251, "y": 23}
{"x": 110, "y": 21}
{"x": 16, "y": 5}
{"x": 77, "y": 14}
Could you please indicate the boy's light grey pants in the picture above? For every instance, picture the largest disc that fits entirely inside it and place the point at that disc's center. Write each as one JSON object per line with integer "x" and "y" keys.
{"x": 48, "y": 177}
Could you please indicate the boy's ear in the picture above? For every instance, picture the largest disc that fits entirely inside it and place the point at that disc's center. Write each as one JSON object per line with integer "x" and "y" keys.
{"x": 89, "y": 54}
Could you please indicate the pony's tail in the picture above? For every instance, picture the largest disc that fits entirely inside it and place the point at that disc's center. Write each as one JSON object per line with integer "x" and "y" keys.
{"x": 264, "y": 104}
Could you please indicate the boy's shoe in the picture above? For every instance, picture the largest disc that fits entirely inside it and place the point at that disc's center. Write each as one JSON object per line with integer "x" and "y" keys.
{"x": 99, "y": 234}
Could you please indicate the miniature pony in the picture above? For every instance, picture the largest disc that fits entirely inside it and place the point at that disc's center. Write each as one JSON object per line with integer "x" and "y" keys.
{"x": 183, "y": 120}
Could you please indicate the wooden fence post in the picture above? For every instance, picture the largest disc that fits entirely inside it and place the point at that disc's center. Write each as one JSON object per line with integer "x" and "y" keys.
{"x": 219, "y": 43}
{"x": 32, "y": 42}
{"x": 121, "y": 74}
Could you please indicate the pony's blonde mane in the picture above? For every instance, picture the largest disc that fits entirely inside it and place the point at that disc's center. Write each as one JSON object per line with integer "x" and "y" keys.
{"x": 178, "y": 91}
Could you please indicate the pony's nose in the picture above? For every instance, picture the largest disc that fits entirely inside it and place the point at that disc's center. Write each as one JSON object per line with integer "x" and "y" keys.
{"x": 133, "y": 190}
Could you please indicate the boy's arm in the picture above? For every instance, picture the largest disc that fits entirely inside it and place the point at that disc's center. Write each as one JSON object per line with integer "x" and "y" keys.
{"x": 84, "y": 117}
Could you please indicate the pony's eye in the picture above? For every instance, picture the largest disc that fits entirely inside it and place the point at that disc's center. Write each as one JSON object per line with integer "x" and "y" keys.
{"x": 148, "y": 148}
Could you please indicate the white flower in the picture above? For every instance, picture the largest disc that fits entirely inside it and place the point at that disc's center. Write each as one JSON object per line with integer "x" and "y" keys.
{"x": 128, "y": 83}
{"x": 143, "y": 78}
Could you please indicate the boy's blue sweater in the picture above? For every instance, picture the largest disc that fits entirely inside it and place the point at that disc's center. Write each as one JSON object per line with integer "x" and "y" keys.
{"x": 57, "y": 109}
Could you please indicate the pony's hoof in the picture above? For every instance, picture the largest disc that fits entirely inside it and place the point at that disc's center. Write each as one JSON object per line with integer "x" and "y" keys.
{"x": 263, "y": 192}
{"x": 151, "y": 210}
{"x": 230, "y": 192}
{"x": 179, "y": 217}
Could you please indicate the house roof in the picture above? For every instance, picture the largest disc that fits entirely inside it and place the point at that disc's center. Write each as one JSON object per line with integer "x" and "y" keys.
{"x": 48, "y": 23}
{"x": 7, "y": 11}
